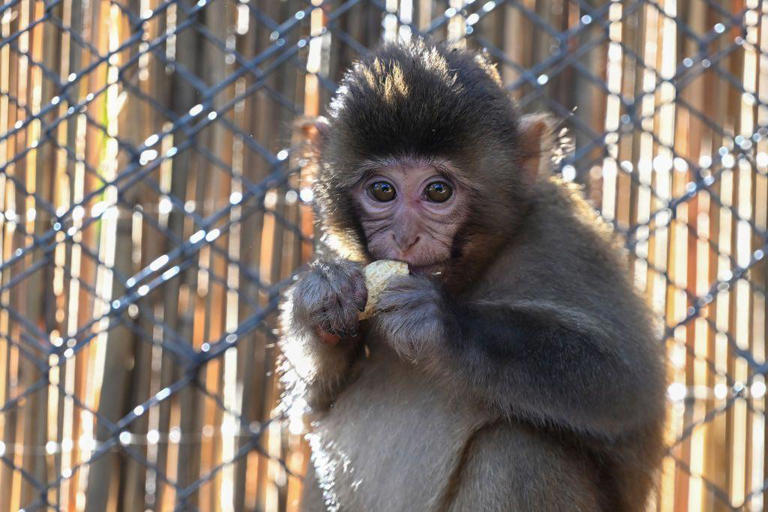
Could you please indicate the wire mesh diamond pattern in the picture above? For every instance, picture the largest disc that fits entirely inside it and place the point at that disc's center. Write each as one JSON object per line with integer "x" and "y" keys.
{"x": 154, "y": 207}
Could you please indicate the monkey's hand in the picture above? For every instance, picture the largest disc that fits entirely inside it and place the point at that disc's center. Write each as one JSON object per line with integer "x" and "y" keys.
{"x": 329, "y": 298}
{"x": 409, "y": 316}
{"x": 319, "y": 323}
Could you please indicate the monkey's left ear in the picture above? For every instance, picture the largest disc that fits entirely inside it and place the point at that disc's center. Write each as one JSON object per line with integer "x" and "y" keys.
{"x": 536, "y": 141}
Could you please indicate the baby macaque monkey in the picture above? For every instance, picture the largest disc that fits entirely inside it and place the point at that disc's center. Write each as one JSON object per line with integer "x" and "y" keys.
{"x": 508, "y": 365}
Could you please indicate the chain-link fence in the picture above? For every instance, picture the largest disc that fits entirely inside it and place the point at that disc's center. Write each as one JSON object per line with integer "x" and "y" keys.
{"x": 153, "y": 211}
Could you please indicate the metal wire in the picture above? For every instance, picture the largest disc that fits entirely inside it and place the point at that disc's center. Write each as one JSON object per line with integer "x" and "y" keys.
{"x": 201, "y": 151}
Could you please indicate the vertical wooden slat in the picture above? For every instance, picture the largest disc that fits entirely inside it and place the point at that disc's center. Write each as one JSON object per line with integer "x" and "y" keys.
{"x": 115, "y": 243}
{"x": 251, "y": 353}
{"x": 587, "y": 96}
{"x": 8, "y": 63}
{"x": 39, "y": 173}
{"x": 187, "y": 170}
{"x": 137, "y": 121}
{"x": 760, "y": 270}
{"x": 691, "y": 145}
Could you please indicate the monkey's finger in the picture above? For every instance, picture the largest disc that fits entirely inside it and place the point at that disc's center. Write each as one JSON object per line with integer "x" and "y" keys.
{"x": 349, "y": 317}
{"x": 408, "y": 283}
{"x": 345, "y": 281}
{"x": 339, "y": 317}
{"x": 391, "y": 299}
{"x": 359, "y": 295}
{"x": 311, "y": 294}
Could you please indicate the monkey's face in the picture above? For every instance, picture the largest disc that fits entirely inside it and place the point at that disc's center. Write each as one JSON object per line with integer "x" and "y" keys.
{"x": 410, "y": 210}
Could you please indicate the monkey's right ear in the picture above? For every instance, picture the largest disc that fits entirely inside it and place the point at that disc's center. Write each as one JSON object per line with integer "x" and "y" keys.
{"x": 322, "y": 129}
{"x": 536, "y": 141}
{"x": 313, "y": 131}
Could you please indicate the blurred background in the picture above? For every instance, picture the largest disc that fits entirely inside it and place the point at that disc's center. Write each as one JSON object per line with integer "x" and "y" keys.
{"x": 154, "y": 208}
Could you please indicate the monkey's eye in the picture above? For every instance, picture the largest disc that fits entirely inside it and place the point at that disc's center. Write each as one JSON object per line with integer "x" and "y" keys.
{"x": 382, "y": 191}
{"x": 438, "y": 191}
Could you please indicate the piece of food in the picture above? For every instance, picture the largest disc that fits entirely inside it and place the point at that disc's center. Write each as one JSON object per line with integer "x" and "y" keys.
{"x": 377, "y": 276}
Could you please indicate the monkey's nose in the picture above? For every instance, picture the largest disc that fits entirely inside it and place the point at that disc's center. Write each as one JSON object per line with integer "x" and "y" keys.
{"x": 405, "y": 242}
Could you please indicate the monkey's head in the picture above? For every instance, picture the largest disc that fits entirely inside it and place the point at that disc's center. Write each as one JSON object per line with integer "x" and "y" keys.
{"x": 424, "y": 159}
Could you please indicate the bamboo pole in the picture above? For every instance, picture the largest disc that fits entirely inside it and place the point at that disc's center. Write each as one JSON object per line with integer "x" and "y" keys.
{"x": 587, "y": 98}
{"x": 7, "y": 119}
{"x": 115, "y": 244}
{"x": 137, "y": 121}
{"x": 760, "y": 270}
{"x": 251, "y": 353}
{"x": 182, "y": 314}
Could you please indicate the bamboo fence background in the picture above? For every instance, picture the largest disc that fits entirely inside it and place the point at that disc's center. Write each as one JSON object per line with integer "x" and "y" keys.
{"x": 153, "y": 210}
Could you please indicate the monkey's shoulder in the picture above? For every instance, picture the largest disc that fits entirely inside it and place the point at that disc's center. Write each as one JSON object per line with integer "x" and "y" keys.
{"x": 561, "y": 239}
{"x": 566, "y": 256}
{"x": 561, "y": 212}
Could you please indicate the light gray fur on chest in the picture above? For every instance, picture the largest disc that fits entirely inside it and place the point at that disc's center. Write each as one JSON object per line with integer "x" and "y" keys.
{"x": 392, "y": 439}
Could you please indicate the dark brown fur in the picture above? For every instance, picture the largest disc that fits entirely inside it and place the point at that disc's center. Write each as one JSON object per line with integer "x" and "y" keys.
{"x": 528, "y": 377}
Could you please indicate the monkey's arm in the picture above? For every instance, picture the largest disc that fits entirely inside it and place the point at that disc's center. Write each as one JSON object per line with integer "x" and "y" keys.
{"x": 318, "y": 330}
{"x": 534, "y": 365}
{"x": 313, "y": 369}
{"x": 527, "y": 363}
